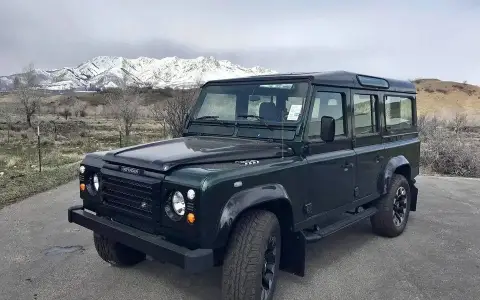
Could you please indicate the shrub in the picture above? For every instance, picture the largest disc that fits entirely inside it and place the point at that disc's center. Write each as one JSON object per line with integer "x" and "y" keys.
{"x": 443, "y": 91}
{"x": 458, "y": 123}
{"x": 446, "y": 149}
{"x": 66, "y": 113}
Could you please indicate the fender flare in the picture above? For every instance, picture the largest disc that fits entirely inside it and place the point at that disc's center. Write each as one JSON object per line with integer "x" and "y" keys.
{"x": 246, "y": 199}
{"x": 393, "y": 164}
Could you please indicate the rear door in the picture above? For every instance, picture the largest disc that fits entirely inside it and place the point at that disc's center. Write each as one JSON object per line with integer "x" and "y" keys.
{"x": 367, "y": 142}
{"x": 331, "y": 165}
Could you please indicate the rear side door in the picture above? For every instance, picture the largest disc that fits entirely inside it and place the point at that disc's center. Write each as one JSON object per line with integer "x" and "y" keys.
{"x": 367, "y": 142}
{"x": 331, "y": 166}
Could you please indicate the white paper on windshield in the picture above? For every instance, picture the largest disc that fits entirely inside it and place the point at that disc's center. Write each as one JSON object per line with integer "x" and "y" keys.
{"x": 294, "y": 112}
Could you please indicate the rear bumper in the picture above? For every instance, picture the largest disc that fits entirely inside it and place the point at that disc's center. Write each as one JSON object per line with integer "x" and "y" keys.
{"x": 192, "y": 261}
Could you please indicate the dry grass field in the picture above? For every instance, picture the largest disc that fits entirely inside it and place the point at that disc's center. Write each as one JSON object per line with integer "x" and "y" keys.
{"x": 20, "y": 174}
{"x": 72, "y": 125}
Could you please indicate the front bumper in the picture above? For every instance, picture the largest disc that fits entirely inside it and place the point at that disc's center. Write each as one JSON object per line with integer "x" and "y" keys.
{"x": 192, "y": 261}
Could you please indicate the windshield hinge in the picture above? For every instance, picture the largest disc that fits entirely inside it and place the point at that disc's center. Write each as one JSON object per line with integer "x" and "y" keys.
{"x": 299, "y": 129}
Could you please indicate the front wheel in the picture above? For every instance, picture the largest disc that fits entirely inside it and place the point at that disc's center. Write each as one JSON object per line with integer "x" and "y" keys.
{"x": 251, "y": 264}
{"x": 115, "y": 253}
{"x": 393, "y": 208}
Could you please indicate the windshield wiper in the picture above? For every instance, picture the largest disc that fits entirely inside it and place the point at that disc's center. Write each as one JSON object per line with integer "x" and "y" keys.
{"x": 256, "y": 117}
{"x": 210, "y": 118}
{"x": 207, "y": 117}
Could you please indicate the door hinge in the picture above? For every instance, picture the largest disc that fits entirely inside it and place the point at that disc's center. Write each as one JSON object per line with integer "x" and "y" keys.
{"x": 356, "y": 191}
{"x": 307, "y": 208}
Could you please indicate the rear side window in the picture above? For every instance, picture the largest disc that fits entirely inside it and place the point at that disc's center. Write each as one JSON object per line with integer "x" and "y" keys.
{"x": 398, "y": 112}
{"x": 364, "y": 107}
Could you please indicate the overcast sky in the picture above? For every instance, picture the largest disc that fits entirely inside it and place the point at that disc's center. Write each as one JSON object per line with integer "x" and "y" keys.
{"x": 405, "y": 39}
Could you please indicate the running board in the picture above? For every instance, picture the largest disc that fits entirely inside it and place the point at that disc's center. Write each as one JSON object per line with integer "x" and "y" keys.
{"x": 313, "y": 236}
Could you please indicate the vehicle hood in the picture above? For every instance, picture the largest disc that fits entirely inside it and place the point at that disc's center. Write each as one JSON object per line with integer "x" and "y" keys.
{"x": 167, "y": 154}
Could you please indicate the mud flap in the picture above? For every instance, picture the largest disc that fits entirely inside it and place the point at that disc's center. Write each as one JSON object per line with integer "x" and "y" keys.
{"x": 414, "y": 195}
{"x": 293, "y": 253}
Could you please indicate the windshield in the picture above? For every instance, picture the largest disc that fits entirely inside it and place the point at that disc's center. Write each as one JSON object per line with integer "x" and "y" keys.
{"x": 261, "y": 103}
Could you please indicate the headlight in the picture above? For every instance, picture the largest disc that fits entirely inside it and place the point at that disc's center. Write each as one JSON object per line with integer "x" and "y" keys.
{"x": 191, "y": 194}
{"x": 178, "y": 203}
{"x": 96, "y": 182}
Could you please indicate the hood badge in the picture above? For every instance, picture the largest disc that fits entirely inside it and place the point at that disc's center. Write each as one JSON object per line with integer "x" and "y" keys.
{"x": 247, "y": 162}
{"x": 130, "y": 170}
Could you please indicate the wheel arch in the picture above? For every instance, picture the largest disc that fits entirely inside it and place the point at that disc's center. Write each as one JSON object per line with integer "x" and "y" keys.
{"x": 272, "y": 198}
{"x": 399, "y": 165}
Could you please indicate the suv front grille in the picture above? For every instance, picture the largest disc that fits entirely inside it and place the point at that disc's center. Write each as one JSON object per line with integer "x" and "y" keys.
{"x": 129, "y": 195}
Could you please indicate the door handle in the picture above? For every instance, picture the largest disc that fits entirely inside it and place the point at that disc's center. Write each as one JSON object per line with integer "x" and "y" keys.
{"x": 378, "y": 158}
{"x": 347, "y": 166}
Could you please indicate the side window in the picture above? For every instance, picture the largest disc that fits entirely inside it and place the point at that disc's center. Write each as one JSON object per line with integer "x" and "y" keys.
{"x": 364, "y": 108}
{"x": 398, "y": 112}
{"x": 326, "y": 104}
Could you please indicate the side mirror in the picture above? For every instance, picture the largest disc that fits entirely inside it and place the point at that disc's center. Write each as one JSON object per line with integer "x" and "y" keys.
{"x": 327, "y": 130}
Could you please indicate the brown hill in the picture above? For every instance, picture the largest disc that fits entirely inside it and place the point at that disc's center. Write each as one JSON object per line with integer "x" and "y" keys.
{"x": 446, "y": 98}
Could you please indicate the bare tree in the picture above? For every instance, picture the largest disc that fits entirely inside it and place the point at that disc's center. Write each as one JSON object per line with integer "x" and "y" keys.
{"x": 65, "y": 113}
{"x": 27, "y": 93}
{"x": 124, "y": 104}
{"x": 173, "y": 111}
{"x": 16, "y": 82}
{"x": 79, "y": 108}
{"x": 4, "y": 114}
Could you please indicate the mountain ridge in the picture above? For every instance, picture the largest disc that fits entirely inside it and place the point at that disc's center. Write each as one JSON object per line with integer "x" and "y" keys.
{"x": 110, "y": 71}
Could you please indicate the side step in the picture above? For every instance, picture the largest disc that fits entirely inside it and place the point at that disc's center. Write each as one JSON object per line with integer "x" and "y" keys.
{"x": 313, "y": 236}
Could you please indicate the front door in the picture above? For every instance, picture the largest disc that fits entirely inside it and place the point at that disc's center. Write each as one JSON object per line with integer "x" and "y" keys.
{"x": 331, "y": 165}
{"x": 367, "y": 143}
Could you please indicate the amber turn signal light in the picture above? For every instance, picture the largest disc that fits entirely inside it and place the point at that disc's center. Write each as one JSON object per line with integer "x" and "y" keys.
{"x": 191, "y": 218}
{"x": 82, "y": 187}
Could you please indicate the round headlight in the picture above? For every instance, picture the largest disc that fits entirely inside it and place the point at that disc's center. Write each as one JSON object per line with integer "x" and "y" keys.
{"x": 191, "y": 194}
{"x": 96, "y": 182}
{"x": 178, "y": 203}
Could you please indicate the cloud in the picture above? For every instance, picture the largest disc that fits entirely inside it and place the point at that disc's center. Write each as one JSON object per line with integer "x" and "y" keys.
{"x": 405, "y": 39}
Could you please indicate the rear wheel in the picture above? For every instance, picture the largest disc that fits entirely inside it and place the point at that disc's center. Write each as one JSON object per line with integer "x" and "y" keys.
{"x": 393, "y": 208}
{"x": 251, "y": 264}
{"x": 116, "y": 253}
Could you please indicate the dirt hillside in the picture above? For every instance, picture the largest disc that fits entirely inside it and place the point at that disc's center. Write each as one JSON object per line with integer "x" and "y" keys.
{"x": 447, "y": 98}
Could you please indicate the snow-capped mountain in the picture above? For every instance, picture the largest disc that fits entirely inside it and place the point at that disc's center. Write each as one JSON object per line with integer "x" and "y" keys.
{"x": 109, "y": 71}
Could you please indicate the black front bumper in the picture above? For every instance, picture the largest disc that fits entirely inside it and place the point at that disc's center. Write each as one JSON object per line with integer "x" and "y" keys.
{"x": 193, "y": 261}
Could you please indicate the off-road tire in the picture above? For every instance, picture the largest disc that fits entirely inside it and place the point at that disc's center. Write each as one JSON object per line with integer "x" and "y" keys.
{"x": 244, "y": 258}
{"x": 382, "y": 222}
{"x": 116, "y": 253}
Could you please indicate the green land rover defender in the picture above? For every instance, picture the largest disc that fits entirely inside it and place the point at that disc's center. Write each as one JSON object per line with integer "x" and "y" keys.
{"x": 266, "y": 164}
